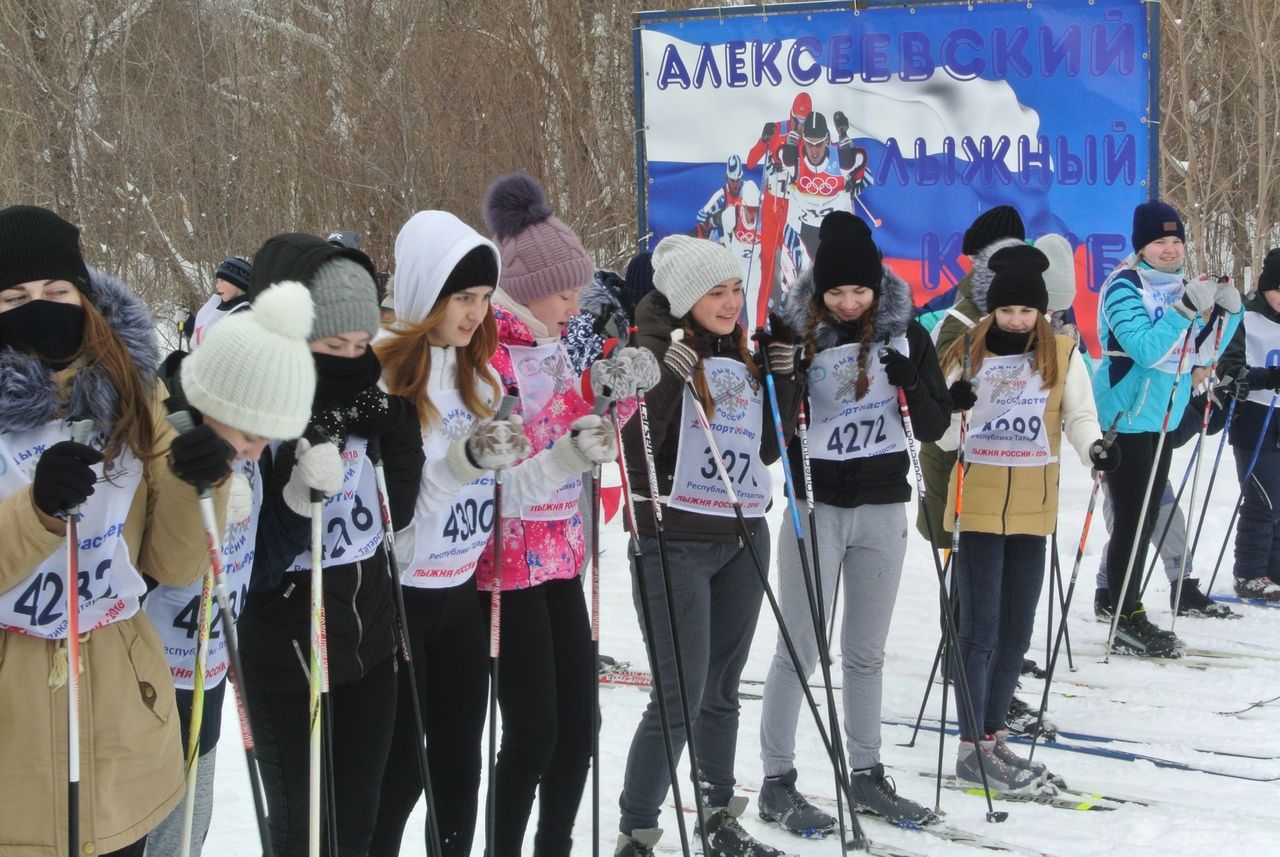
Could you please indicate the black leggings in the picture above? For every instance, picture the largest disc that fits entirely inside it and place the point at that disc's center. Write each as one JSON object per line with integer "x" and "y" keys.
{"x": 449, "y": 638}
{"x": 544, "y": 690}
{"x": 1128, "y": 485}
{"x": 363, "y": 717}
{"x": 134, "y": 850}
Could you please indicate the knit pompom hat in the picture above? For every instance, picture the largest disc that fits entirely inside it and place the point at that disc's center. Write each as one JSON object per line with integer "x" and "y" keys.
{"x": 685, "y": 269}
{"x": 638, "y": 281}
{"x": 36, "y": 244}
{"x": 254, "y": 371}
{"x": 540, "y": 255}
{"x": 1060, "y": 278}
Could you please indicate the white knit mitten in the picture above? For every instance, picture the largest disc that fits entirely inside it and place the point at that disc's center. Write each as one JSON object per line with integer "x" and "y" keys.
{"x": 318, "y": 467}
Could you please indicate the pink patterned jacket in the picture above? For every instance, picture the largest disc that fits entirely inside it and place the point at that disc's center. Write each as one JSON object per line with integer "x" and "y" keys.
{"x": 536, "y": 551}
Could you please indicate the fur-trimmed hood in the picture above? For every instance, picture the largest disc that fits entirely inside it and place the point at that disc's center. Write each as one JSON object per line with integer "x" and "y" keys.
{"x": 29, "y": 395}
{"x": 892, "y": 317}
{"x": 981, "y": 275}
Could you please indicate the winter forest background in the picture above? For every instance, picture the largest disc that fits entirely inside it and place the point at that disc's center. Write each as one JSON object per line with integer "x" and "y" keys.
{"x": 178, "y": 131}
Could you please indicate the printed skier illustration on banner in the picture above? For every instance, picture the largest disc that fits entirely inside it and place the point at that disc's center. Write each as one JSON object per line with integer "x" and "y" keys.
{"x": 915, "y": 120}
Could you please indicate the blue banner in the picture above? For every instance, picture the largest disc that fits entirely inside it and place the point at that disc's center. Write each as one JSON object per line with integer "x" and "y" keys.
{"x": 917, "y": 119}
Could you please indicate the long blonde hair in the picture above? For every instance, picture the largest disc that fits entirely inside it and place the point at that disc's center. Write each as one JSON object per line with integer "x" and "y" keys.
{"x": 1041, "y": 341}
{"x": 406, "y": 365}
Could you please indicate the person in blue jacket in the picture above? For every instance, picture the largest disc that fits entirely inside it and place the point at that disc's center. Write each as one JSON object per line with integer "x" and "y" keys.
{"x": 1155, "y": 327}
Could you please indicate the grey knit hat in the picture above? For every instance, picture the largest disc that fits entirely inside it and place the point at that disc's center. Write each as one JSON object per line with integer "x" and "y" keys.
{"x": 685, "y": 269}
{"x": 345, "y": 297}
{"x": 1060, "y": 279}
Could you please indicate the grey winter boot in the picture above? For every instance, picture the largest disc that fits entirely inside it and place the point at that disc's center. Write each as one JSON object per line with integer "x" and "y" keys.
{"x": 639, "y": 844}
{"x": 874, "y": 792}
{"x": 779, "y": 803}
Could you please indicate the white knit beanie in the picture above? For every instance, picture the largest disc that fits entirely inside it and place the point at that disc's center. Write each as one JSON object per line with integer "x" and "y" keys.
{"x": 685, "y": 269}
{"x": 1060, "y": 278}
{"x": 254, "y": 371}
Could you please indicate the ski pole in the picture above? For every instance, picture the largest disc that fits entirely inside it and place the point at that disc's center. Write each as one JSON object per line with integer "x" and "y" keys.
{"x": 1213, "y": 473}
{"x": 860, "y": 841}
{"x": 374, "y": 451}
{"x": 183, "y": 422}
{"x": 813, "y": 589}
{"x": 1244, "y": 486}
{"x": 655, "y": 507}
{"x": 197, "y": 712}
{"x": 1138, "y": 534}
{"x": 1062, "y": 600}
{"x": 80, "y": 431}
{"x": 1168, "y": 520}
{"x": 948, "y": 625}
{"x": 1195, "y": 480}
{"x": 1107, "y": 440}
{"x": 505, "y": 407}
{"x": 802, "y": 430}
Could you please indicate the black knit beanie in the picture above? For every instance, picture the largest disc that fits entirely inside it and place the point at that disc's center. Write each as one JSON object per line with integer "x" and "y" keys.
{"x": 990, "y": 226}
{"x": 479, "y": 267}
{"x": 1019, "y": 278}
{"x": 846, "y": 255}
{"x": 1153, "y": 220}
{"x": 638, "y": 281}
{"x": 36, "y": 244}
{"x": 1269, "y": 279}
{"x": 236, "y": 271}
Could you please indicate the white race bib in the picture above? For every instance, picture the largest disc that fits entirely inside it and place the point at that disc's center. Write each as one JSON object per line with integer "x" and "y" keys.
{"x": 1261, "y": 349}
{"x": 209, "y": 315}
{"x": 845, "y": 428}
{"x": 1006, "y": 424}
{"x": 352, "y": 519}
{"x": 109, "y": 586}
{"x": 175, "y": 610}
{"x": 1160, "y": 291}
{"x": 448, "y": 544}
{"x": 544, "y": 372}
{"x": 736, "y": 426}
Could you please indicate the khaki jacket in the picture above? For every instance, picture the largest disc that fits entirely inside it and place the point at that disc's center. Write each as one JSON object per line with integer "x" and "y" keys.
{"x": 131, "y": 772}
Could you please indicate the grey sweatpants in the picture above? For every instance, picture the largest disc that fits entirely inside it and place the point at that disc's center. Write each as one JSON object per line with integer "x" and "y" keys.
{"x": 1174, "y": 543}
{"x": 166, "y": 839}
{"x": 717, "y": 593}
{"x": 870, "y": 542}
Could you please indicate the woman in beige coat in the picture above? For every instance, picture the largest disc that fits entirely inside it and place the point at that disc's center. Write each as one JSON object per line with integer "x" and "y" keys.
{"x": 80, "y": 345}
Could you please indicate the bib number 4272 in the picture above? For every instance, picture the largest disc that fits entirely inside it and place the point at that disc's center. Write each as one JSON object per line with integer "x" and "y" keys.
{"x": 854, "y": 435}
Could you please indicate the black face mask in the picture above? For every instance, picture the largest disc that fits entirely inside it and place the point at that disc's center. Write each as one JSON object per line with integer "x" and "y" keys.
{"x": 339, "y": 379}
{"x": 1002, "y": 343}
{"x": 52, "y": 331}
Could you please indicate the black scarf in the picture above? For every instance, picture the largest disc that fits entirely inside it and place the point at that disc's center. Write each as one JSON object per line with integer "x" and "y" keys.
{"x": 339, "y": 379}
{"x": 50, "y": 330}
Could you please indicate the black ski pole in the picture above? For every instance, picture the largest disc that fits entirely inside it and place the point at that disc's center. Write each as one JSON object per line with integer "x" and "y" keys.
{"x": 1244, "y": 486}
{"x": 1213, "y": 474}
{"x": 949, "y": 629}
{"x": 859, "y": 839}
{"x": 406, "y": 650}
{"x": 813, "y": 589}
{"x": 505, "y": 408}
{"x": 646, "y": 377}
{"x": 1107, "y": 440}
{"x": 1062, "y": 600}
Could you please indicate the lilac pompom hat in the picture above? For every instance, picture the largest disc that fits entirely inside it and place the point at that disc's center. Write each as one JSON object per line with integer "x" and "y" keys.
{"x": 541, "y": 256}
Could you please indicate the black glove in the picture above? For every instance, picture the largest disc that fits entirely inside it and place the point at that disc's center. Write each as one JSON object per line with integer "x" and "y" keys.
{"x": 962, "y": 396}
{"x": 330, "y": 425}
{"x": 899, "y": 369}
{"x": 842, "y": 123}
{"x": 1229, "y": 388}
{"x": 373, "y": 412}
{"x": 200, "y": 457}
{"x": 1104, "y": 458}
{"x": 766, "y": 133}
{"x": 64, "y": 477}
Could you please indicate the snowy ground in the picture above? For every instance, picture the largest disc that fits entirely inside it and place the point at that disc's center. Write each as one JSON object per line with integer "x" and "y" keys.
{"x": 1170, "y": 709}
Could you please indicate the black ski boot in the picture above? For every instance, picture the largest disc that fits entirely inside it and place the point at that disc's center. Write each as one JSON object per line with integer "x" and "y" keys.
{"x": 727, "y": 837}
{"x": 781, "y": 804}
{"x": 1029, "y": 667}
{"x": 639, "y": 844}
{"x": 1196, "y": 603}
{"x": 1021, "y": 720}
{"x": 874, "y": 792}
{"x": 1102, "y": 605}
{"x": 1136, "y": 635}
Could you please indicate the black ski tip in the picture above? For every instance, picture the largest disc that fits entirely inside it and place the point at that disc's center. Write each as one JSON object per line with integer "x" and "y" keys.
{"x": 997, "y": 817}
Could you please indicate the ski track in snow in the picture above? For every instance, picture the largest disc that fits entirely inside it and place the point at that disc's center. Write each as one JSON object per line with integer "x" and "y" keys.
{"x": 1170, "y": 709}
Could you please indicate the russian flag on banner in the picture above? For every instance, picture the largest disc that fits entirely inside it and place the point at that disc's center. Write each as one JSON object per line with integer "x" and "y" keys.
{"x": 958, "y": 110}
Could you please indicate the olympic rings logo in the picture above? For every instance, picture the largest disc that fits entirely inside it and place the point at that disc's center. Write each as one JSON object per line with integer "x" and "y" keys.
{"x": 821, "y": 185}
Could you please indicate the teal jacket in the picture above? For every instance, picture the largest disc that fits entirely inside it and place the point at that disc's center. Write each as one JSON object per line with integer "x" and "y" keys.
{"x": 1135, "y": 344}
